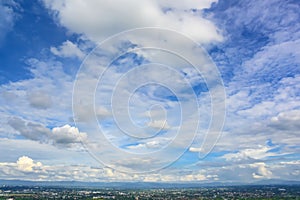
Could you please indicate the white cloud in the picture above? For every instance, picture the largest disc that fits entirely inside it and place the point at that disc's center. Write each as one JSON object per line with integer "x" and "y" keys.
{"x": 86, "y": 113}
{"x": 26, "y": 168}
{"x": 64, "y": 136}
{"x": 288, "y": 120}
{"x": 192, "y": 177}
{"x": 252, "y": 118}
{"x": 26, "y": 164}
{"x": 151, "y": 144}
{"x": 102, "y": 112}
{"x": 32, "y": 131}
{"x": 39, "y": 99}
{"x": 67, "y": 135}
{"x": 294, "y": 162}
{"x": 101, "y": 19}
{"x": 261, "y": 152}
{"x": 186, "y": 5}
{"x": 195, "y": 149}
{"x": 159, "y": 124}
{"x": 131, "y": 107}
{"x": 67, "y": 49}
{"x": 263, "y": 94}
{"x": 46, "y": 98}
{"x": 263, "y": 109}
{"x": 44, "y": 152}
{"x": 29, "y": 169}
{"x": 262, "y": 171}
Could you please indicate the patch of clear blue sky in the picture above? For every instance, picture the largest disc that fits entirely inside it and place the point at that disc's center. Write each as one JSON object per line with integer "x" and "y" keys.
{"x": 34, "y": 31}
{"x": 190, "y": 158}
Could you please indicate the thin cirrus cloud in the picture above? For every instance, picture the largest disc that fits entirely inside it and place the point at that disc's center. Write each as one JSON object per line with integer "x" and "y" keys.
{"x": 7, "y": 18}
{"x": 67, "y": 49}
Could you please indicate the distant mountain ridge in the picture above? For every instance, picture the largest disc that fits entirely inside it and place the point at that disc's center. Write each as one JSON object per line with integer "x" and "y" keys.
{"x": 139, "y": 185}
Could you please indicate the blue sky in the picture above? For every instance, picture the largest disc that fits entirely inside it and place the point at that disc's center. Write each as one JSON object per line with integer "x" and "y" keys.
{"x": 150, "y": 100}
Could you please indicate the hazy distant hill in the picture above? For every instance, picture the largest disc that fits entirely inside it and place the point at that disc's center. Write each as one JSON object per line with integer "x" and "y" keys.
{"x": 138, "y": 185}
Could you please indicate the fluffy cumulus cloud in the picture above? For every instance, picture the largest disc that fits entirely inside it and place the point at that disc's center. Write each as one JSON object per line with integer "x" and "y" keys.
{"x": 262, "y": 171}
{"x": 101, "y": 19}
{"x": 26, "y": 164}
{"x": 65, "y": 136}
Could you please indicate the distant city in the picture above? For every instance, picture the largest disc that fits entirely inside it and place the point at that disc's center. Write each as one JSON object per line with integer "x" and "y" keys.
{"x": 149, "y": 191}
